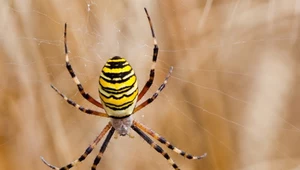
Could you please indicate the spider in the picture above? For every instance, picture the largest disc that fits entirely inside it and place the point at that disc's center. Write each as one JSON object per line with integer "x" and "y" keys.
{"x": 118, "y": 91}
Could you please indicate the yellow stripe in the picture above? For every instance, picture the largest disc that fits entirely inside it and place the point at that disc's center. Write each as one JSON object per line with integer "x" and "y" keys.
{"x": 126, "y": 91}
{"x": 116, "y": 107}
{"x": 117, "y": 86}
{"x": 116, "y": 60}
{"x": 117, "y": 70}
{"x": 119, "y": 101}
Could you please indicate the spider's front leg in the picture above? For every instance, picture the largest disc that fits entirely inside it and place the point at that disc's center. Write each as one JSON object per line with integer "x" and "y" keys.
{"x": 74, "y": 77}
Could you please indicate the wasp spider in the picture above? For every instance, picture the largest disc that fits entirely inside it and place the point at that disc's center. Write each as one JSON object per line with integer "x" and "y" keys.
{"x": 118, "y": 90}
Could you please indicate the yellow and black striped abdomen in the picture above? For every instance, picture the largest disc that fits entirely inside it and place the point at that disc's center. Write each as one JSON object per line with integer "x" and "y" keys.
{"x": 118, "y": 87}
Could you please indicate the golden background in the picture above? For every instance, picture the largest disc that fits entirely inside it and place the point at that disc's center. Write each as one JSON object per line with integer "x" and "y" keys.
{"x": 234, "y": 92}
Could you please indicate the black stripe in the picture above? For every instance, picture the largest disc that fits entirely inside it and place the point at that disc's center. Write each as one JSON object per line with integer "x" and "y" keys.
{"x": 162, "y": 140}
{"x": 155, "y": 53}
{"x": 114, "y": 105}
{"x": 170, "y": 146}
{"x": 121, "y": 117}
{"x": 81, "y": 89}
{"x": 152, "y": 73}
{"x": 150, "y": 81}
{"x": 162, "y": 87}
{"x": 120, "y": 64}
{"x": 71, "y": 102}
{"x": 69, "y": 166}
{"x": 189, "y": 156}
{"x": 175, "y": 166}
{"x": 166, "y": 156}
{"x": 97, "y": 160}
{"x": 65, "y": 36}
{"x": 117, "y": 75}
{"x": 124, "y": 95}
{"x": 158, "y": 148}
{"x": 117, "y": 91}
{"x": 149, "y": 100}
{"x": 88, "y": 150}
{"x": 82, "y": 157}
{"x": 116, "y": 109}
{"x": 116, "y": 58}
{"x": 111, "y": 80}
{"x": 112, "y": 89}
{"x": 81, "y": 108}
{"x": 69, "y": 67}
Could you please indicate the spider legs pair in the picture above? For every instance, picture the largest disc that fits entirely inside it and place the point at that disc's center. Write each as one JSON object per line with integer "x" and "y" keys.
{"x": 140, "y": 129}
{"x": 94, "y": 101}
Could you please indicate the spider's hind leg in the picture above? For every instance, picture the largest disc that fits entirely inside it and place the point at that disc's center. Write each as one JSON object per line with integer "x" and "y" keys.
{"x": 103, "y": 148}
{"x": 165, "y": 142}
{"x": 85, "y": 154}
{"x": 155, "y": 146}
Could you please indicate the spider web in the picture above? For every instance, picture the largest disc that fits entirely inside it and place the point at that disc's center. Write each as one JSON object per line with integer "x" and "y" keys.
{"x": 233, "y": 92}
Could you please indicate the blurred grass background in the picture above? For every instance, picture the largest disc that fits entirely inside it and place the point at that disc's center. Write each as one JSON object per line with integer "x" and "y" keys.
{"x": 234, "y": 92}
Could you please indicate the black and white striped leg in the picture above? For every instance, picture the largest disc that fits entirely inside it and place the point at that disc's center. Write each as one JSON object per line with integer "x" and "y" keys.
{"x": 85, "y": 154}
{"x": 155, "y": 146}
{"x": 154, "y": 96}
{"x": 85, "y": 110}
{"x": 165, "y": 142}
{"x": 154, "y": 58}
{"x": 102, "y": 149}
{"x": 73, "y": 75}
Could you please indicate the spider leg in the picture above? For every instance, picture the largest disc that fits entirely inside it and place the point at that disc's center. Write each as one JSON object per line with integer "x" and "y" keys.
{"x": 149, "y": 100}
{"x": 165, "y": 142}
{"x": 155, "y": 146}
{"x": 85, "y": 154}
{"x": 103, "y": 147}
{"x": 85, "y": 110}
{"x": 73, "y": 75}
{"x": 154, "y": 58}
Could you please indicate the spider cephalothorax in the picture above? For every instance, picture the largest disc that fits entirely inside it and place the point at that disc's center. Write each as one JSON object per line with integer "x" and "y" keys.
{"x": 122, "y": 125}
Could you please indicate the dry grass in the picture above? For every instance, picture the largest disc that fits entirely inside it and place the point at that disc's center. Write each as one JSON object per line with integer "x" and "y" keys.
{"x": 233, "y": 94}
